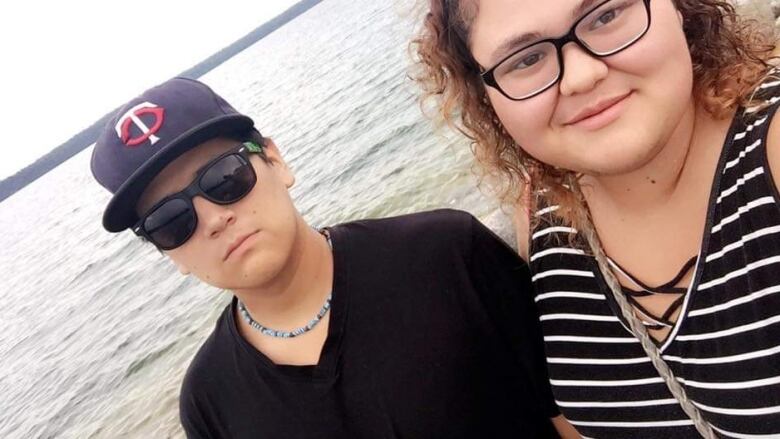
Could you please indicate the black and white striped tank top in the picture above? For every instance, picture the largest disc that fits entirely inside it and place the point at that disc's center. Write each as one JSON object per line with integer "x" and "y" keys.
{"x": 724, "y": 347}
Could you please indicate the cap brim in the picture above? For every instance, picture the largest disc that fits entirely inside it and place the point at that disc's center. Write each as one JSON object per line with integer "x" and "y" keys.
{"x": 120, "y": 213}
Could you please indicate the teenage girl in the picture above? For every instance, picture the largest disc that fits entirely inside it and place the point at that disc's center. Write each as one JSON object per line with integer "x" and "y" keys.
{"x": 636, "y": 139}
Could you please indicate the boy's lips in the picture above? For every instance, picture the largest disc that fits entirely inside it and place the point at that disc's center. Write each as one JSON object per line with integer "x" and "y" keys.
{"x": 237, "y": 243}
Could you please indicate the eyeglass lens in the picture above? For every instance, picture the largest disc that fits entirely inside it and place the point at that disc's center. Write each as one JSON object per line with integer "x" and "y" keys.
{"x": 609, "y": 28}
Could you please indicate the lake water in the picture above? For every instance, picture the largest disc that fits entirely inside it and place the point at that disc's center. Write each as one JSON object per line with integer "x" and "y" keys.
{"x": 96, "y": 330}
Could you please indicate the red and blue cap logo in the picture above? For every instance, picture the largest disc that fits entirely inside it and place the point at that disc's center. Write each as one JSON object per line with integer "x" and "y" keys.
{"x": 149, "y": 132}
{"x": 134, "y": 117}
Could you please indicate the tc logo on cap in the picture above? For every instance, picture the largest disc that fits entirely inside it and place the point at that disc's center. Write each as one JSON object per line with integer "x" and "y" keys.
{"x": 133, "y": 117}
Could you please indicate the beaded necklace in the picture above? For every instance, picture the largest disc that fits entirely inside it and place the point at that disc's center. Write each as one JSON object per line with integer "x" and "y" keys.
{"x": 297, "y": 331}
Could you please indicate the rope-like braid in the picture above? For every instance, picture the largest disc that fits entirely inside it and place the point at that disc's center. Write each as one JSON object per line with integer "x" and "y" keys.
{"x": 585, "y": 225}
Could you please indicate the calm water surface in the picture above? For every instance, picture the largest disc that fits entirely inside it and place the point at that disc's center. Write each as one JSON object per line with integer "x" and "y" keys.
{"x": 96, "y": 330}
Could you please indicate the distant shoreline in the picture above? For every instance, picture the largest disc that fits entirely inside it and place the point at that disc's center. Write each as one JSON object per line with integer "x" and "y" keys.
{"x": 765, "y": 10}
{"x": 87, "y": 137}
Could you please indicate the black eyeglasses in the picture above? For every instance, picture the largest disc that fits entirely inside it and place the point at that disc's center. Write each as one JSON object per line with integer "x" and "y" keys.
{"x": 224, "y": 180}
{"x": 607, "y": 29}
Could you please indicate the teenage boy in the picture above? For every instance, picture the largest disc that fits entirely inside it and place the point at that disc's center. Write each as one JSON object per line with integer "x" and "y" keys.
{"x": 420, "y": 326}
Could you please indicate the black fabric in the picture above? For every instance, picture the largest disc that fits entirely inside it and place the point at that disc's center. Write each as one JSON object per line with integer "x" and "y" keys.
{"x": 433, "y": 334}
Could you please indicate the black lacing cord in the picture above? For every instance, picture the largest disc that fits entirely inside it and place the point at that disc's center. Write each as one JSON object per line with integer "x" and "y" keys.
{"x": 663, "y": 321}
{"x": 668, "y": 285}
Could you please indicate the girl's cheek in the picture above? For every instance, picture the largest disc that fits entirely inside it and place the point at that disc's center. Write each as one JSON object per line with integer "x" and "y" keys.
{"x": 527, "y": 121}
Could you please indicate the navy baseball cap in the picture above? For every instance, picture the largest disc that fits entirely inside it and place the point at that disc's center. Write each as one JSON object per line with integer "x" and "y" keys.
{"x": 151, "y": 131}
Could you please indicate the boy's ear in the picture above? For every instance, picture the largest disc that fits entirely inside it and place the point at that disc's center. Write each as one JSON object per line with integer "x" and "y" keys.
{"x": 278, "y": 164}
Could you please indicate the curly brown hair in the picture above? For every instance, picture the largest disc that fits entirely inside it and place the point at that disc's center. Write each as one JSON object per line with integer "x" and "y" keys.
{"x": 730, "y": 56}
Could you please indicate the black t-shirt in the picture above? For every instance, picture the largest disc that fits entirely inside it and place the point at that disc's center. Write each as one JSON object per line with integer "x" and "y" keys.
{"x": 433, "y": 334}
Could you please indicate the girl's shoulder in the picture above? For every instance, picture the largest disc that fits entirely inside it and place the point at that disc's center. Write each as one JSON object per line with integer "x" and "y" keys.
{"x": 767, "y": 96}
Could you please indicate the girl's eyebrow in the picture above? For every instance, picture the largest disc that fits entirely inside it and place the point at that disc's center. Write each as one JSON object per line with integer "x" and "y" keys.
{"x": 512, "y": 42}
{"x": 522, "y": 39}
{"x": 581, "y": 9}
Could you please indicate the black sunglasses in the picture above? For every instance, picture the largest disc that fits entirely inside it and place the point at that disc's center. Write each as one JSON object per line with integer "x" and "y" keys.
{"x": 224, "y": 180}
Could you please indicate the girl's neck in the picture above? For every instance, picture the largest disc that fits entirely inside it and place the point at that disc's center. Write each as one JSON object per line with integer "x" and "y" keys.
{"x": 667, "y": 174}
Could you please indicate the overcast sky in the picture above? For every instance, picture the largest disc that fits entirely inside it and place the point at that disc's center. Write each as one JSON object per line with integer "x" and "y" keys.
{"x": 66, "y": 64}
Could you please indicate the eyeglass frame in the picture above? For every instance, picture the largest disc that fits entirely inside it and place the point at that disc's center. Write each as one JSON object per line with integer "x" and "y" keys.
{"x": 188, "y": 193}
{"x": 488, "y": 76}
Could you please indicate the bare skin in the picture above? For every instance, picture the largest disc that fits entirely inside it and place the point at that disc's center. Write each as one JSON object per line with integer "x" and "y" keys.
{"x": 293, "y": 304}
{"x": 652, "y": 222}
{"x": 283, "y": 273}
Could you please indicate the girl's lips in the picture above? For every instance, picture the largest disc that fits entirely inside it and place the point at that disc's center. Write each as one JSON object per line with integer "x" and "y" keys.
{"x": 601, "y": 114}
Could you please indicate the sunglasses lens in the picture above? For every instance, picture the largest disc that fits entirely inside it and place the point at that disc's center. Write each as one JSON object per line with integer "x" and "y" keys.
{"x": 171, "y": 224}
{"x": 228, "y": 179}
